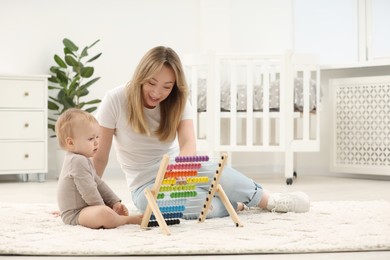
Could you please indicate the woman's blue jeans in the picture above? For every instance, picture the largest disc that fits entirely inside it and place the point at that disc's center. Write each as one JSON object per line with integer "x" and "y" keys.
{"x": 238, "y": 188}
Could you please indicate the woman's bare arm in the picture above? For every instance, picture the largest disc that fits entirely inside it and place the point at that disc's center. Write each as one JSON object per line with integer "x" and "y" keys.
{"x": 101, "y": 157}
{"x": 186, "y": 138}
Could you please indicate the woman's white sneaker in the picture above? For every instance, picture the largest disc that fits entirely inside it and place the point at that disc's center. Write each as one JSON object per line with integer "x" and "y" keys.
{"x": 289, "y": 202}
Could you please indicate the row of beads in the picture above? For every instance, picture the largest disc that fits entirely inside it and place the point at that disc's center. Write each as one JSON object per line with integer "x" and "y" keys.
{"x": 169, "y": 222}
{"x": 178, "y": 208}
{"x": 201, "y": 158}
{"x": 166, "y": 188}
{"x": 172, "y": 181}
{"x": 184, "y": 166}
{"x": 201, "y": 179}
{"x": 169, "y": 181}
{"x": 180, "y": 174}
{"x": 169, "y": 215}
{"x": 183, "y": 194}
{"x": 171, "y": 202}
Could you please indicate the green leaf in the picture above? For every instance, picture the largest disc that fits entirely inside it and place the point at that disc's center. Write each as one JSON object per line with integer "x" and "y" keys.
{"x": 60, "y": 62}
{"x": 74, "y": 84}
{"x": 86, "y": 72}
{"x": 54, "y": 99}
{"x": 95, "y": 101}
{"x": 84, "y": 53}
{"x": 89, "y": 83}
{"x": 70, "y": 45}
{"x": 54, "y": 79}
{"x": 52, "y": 106}
{"x": 69, "y": 52}
{"x": 54, "y": 69}
{"x": 62, "y": 78}
{"x": 66, "y": 101}
{"x": 82, "y": 92}
{"x": 90, "y": 46}
{"x": 91, "y": 109}
{"x": 71, "y": 61}
{"x": 53, "y": 87}
{"x": 51, "y": 126}
{"x": 94, "y": 58}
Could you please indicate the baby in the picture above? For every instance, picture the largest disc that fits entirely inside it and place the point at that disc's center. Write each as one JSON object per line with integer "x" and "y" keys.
{"x": 83, "y": 198}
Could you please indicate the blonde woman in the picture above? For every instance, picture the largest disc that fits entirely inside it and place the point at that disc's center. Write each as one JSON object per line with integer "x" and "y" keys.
{"x": 151, "y": 116}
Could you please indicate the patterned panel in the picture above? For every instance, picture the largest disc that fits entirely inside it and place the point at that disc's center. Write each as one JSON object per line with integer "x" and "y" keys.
{"x": 362, "y": 125}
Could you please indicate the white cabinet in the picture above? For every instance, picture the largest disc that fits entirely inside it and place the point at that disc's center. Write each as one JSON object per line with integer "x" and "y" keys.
{"x": 361, "y": 125}
{"x": 23, "y": 131}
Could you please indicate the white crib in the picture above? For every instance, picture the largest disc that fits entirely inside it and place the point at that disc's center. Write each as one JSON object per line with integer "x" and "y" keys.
{"x": 256, "y": 103}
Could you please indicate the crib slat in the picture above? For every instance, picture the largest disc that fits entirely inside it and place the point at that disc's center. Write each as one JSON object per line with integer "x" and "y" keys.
{"x": 249, "y": 101}
{"x": 266, "y": 86}
{"x": 283, "y": 97}
{"x": 306, "y": 104}
{"x": 194, "y": 96}
{"x": 233, "y": 103}
{"x": 215, "y": 108}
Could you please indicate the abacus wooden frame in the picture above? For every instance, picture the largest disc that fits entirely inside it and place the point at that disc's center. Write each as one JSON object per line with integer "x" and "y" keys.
{"x": 215, "y": 187}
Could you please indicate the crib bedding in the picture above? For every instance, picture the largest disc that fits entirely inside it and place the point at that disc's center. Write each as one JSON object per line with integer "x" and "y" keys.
{"x": 257, "y": 96}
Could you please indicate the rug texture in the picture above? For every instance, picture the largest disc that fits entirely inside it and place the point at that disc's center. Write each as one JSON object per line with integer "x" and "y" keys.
{"x": 31, "y": 229}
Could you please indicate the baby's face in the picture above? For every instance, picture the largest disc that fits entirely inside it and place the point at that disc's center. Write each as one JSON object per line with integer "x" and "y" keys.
{"x": 86, "y": 140}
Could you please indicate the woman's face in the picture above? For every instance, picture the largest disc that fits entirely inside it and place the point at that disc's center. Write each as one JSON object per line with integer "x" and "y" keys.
{"x": 158, "y": 87}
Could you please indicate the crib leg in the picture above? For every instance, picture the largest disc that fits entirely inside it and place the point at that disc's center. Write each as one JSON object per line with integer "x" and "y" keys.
{"x": 289, "y": 167}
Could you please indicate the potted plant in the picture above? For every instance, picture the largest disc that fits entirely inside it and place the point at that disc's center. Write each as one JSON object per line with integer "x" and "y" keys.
{"x": 68, "y": 85}
{"x": 70, "y": 79}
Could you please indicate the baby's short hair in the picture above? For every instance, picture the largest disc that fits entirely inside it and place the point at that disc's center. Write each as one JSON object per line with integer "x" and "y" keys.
{"x": 66, "y": 121}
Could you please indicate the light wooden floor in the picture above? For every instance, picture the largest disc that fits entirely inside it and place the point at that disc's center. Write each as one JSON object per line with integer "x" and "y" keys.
{"x": 319, "y": 188}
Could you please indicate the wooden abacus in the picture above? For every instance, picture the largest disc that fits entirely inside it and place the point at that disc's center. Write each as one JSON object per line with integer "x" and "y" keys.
{"x": 179, "y": 180}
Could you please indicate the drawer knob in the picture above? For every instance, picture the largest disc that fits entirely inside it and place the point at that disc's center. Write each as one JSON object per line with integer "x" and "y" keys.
{"x": 26, "y": 125}
{"x": 26, "y": 156}
{"x": 26, "y": 94}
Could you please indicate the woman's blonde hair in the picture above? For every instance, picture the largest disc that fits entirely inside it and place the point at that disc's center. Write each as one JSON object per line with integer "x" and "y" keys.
{"x": 66, "y": 121}
{"x": 171, "y": 108}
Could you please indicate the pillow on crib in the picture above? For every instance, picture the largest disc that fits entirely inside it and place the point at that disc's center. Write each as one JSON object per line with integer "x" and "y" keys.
{"x": 273, "y": 94}
{"x": 257, "y": 96}
{"x": 225, "y": 97}
{"x": 202, "y": 95}
{"x": 241, "y": 104}
{"x": 298, "y": 95}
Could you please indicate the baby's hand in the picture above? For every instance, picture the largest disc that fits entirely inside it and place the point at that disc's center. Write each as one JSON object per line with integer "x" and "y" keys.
{"x": 56, "y": 213}
{"x": 120, "y": 209}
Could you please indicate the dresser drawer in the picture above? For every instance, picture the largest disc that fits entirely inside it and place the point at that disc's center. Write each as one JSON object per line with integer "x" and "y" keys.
{"x": 22, "y": 125}
{"x": 18, "y": 93}
{"x": 22, "y": 156}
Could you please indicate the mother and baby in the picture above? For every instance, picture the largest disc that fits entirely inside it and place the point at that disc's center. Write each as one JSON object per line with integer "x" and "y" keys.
{"x": 146, "y": 118}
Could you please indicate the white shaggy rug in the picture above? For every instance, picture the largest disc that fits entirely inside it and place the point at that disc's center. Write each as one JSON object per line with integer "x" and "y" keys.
{"x": 31, "y": 229}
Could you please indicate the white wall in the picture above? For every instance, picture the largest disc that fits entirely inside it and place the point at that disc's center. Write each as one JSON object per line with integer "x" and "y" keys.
{"x": 32, "y": 32}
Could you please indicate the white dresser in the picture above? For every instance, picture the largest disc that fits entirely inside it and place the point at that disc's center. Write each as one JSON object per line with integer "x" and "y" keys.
{"x": 23, "y": 131}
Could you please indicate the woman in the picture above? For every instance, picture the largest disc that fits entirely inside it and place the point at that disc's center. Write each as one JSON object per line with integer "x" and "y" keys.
{"x": 151, "y": 116}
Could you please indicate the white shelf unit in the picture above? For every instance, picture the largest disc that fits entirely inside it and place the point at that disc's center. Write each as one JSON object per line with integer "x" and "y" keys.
{"x": 23, "y": 132}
